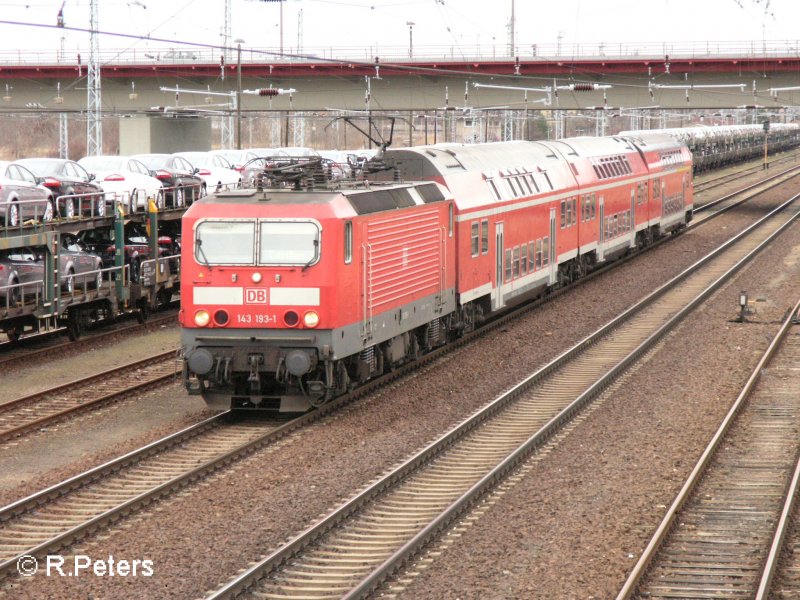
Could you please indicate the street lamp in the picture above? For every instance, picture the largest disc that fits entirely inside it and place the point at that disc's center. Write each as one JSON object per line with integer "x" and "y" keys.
{"x": 239, "y": 42}
{"x": 410, "y": 39}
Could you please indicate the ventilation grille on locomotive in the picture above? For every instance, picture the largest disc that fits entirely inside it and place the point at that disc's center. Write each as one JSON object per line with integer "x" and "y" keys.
{"x": 380, "y": 200}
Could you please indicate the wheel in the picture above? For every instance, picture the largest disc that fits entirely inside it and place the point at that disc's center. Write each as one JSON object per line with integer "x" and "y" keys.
{"x": 98, "y": 281}
{"x": 164, "y": 297}
{"x": 69, "y": 208}
{"x": 48, "y": 211}
{"x": 178, "y": 197}
{"x": 13, "y": 334}
{"x": 135, "y": 271}
{"x": 143, "y": 312}
{"x": 13, "y": 294}
{"x": 160, "y": 199}
{"x": 12, "y": 215}
{"x": 74, "y": 329}
{"x": 100, "y": 206}
{"x": 69, "y": 282}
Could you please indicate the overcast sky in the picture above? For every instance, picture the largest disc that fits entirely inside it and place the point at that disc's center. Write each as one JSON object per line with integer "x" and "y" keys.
{"x": 461, "y": 24}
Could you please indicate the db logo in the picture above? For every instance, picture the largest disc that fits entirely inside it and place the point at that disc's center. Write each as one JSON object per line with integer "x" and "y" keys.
{"x": 255, "y": 296}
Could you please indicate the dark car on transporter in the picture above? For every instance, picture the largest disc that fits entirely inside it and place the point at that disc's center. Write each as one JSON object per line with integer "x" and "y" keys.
{"x": 182, "y": 185}
{"x": 75, "y": 190}
{"x": 102, "y": 241}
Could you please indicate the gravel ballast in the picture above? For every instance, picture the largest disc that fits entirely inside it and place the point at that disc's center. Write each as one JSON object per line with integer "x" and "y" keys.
{"x": 200, "y": 538}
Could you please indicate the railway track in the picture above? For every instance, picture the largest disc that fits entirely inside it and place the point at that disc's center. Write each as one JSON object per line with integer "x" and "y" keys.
{"x": 66, "y": 512}
{"x": 42, "y": 345}
{"x": 39, "y": 410}
{"x": 723, "y": 534}
{"x": 719, "y": 205}
{"x": 743, "y": 171}
{"x": 72, "y": 519}
{"x": 369, "y": 539}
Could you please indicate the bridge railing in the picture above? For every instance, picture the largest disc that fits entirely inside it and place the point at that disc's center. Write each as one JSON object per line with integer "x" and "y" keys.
{"x": 420, "y": 53}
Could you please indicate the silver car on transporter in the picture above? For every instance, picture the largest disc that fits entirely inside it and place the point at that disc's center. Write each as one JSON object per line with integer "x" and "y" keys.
{"x": 22, "y": 197}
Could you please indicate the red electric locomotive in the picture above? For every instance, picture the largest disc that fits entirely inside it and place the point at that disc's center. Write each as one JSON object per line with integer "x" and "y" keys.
{"x": 289, "y": 296}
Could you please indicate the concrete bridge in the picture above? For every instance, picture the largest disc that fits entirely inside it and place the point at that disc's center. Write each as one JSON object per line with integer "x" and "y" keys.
{"x": 669, "y": 76}
{"x": 643, "y": 81}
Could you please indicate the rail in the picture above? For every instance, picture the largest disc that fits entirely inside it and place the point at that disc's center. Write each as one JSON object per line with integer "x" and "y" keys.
{"x": 614, "y": 347}
{"x": 695, "y": 478}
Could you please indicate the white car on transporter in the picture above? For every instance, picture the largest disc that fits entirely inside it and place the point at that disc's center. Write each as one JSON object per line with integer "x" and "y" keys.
{"x": 128, "y": 179}
{"x": 215, "y": 170}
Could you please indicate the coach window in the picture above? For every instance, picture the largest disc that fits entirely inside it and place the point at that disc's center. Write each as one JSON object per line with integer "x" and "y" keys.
{"x": 510, "y": 183}
{"x": 225, "y": 242}
{"x": 493, "y": 187}
{"x": 563, "y": 214}
{"x": 348, "y": 242}
{"x": 508, "y": 264}
{"x": 545, "y": 251}
{"x": 515, "y": 273}
{"x": 538, "y": 254}
{"x": 475, "y": 239}
{"x": 574, "y": 210}
{"x": 532, "y": 255}
{"x": 485, "y": 236}
{"x": 594, "y": 206}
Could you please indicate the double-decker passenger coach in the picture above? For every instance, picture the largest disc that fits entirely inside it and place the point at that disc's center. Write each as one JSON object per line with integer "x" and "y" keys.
{"x": 290, "y": 296}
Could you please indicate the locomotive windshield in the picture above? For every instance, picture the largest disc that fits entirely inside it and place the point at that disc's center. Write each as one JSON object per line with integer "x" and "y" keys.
{"x": 294, "y": 243}
{"x": 225, "y": 242}
{"x": 288, "y": 243}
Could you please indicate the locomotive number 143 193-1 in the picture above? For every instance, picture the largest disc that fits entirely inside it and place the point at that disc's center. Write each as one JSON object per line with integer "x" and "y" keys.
{"x": 258, "y": 319}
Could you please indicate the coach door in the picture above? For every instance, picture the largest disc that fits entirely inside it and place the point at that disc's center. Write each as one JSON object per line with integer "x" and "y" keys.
{"x": 602, "y": 236}
{"x": 553, "y": 249}
{"x": 498, "y": 251}
{"x": 632, "y": 221}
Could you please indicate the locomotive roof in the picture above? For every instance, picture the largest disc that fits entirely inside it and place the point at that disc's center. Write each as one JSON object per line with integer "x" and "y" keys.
{"x": 363, "y": 200}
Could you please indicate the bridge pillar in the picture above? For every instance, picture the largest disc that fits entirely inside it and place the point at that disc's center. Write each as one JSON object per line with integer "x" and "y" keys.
{"x": 163, "y": 132}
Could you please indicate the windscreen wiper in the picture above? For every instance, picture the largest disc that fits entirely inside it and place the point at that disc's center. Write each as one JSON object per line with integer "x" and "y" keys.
{"x": 199, "y": 244}
{"x": 313, "y": 258}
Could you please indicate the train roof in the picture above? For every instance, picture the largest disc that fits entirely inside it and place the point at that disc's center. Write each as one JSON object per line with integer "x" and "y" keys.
{"x": 447, "y": 159}
{"x": 362, "y": 200}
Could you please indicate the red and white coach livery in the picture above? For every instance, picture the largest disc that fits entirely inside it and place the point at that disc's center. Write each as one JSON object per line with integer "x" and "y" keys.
{"x": 536, "y": 214}
{"x": 290, "y": 296}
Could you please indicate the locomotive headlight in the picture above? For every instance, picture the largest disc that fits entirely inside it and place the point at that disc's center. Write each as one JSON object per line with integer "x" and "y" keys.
{"x": 311, "y": 319}
{"x": 201, "y": 318}
{"x": 255, "y": 277}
